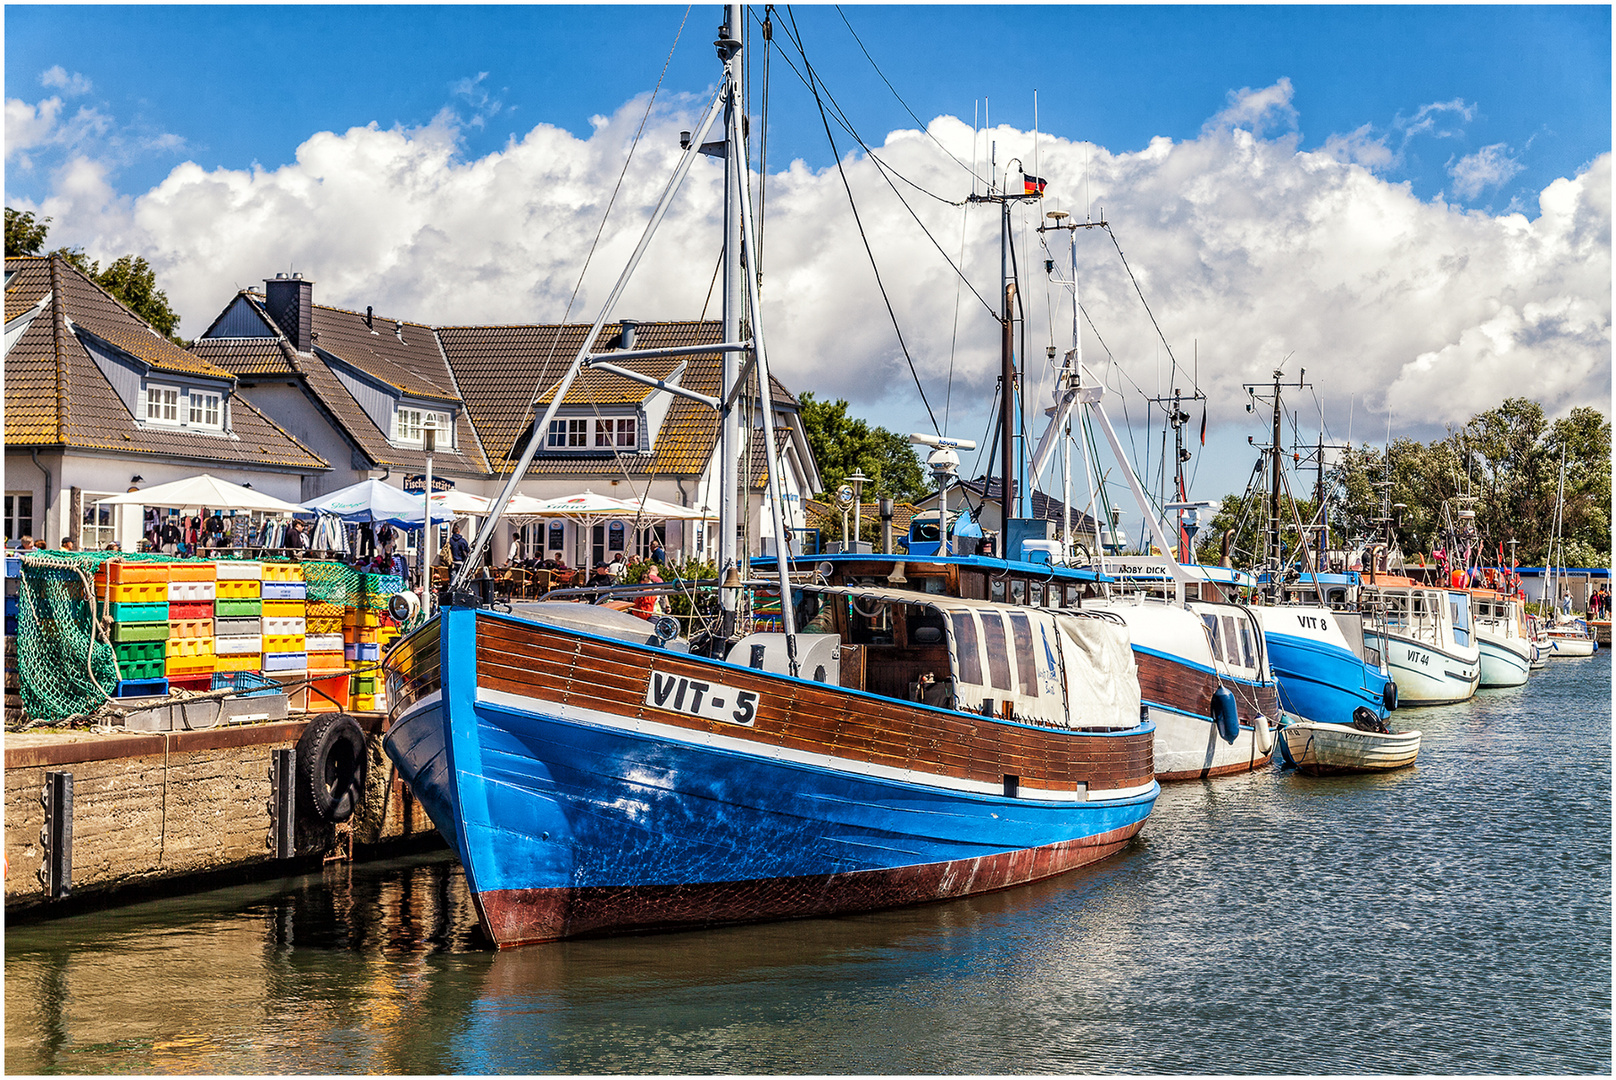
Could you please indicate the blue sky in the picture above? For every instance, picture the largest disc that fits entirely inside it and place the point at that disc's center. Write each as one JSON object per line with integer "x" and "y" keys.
{"x": 1412, "y": 202}
{"x": 247, "y": 84}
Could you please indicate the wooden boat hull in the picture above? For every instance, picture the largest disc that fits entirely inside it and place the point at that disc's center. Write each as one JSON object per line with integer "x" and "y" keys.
{"x": 1178, "y": 695}
{"x": 589, "y": 788}
{"x": 1324, "y": 749}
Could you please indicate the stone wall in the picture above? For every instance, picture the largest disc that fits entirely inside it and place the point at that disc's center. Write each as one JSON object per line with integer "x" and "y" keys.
{"x": 147, "y": 808}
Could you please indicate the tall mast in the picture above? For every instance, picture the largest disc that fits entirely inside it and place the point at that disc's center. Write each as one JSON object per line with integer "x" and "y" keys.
{"x": 729, "y": 441}
{"x": 1273, "y": 486}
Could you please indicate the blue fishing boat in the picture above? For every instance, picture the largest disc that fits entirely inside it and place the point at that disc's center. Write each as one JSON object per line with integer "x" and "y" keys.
{"x": 600, "y": 773}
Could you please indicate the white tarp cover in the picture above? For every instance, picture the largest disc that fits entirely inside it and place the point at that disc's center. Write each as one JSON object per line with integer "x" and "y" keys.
{"x": 1101, "y": 679}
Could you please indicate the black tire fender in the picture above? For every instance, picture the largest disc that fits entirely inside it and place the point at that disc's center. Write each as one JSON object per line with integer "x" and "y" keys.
{"x": 332, "y": 766}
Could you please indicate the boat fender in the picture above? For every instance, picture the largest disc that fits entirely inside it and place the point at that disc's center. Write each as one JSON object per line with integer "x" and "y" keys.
{"x": 1226, "y": 714}
{"x": 332, "y": 765}
{"x": 1264, "y": 735}
{"x": 1388, "y": 696}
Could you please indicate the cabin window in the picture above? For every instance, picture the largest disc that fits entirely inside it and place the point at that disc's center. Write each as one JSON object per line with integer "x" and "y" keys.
{"x": 1074, "y": 596}
{"x": 969, "y": 657}
{"x": 1246, "y": 650}
{"x": 1018, "y": 591}
{"x": 996, "y": 590}
{"x": 1026, "y": 661}
{"x": 1230, "y": 637}
{"x": 1035, "y": 593}
{"x": 1212, "y": 635}
{"x": 997, "y": 649}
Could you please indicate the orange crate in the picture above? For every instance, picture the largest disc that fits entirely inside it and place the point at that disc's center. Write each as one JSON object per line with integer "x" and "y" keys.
{"x": 190, "y": 628}
{"x": 328, "y": 661}
{"x": 328, "y": 695}
{"x": 118, "y": 572}
{"x": 192, "y": 571}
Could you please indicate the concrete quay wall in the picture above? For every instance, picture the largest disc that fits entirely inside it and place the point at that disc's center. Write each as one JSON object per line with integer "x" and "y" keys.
{"x": 150, "y": 808}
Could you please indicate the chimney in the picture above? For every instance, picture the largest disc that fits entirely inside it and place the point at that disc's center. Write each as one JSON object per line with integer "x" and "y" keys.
{"x": 290, "y": 301}
{"x": 626, "y": 339}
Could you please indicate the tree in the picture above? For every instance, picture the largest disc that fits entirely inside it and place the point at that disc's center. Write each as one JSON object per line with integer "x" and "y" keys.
{"x": 24, "y": 235}
{"x": 843, "y": 445}
{"x": 130, "y": 278}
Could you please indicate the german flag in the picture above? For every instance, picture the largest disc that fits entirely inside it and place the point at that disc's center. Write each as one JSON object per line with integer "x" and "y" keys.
{"x": 1035, "y": 185}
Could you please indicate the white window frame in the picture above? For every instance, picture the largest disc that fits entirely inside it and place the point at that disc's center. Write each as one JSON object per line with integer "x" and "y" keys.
{"x": 568, "y": 433}
{"x": 617, "y": 433}
{"x": 206, "y": 409}
{"x": 410, "y": 423}
{"x": 14, "y": 518}
{"x": 162, "y": 404}
{"x": 94, "y": 536}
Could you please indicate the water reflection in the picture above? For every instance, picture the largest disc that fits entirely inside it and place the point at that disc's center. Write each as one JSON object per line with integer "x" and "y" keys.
{"x": 1454, "y": 917}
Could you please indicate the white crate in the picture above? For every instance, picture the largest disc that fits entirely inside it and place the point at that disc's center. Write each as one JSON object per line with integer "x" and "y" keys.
{"x": 239, "y": 571}
{"x": 282, "y": 625}
{"x": 190, "y": 590}
{"x": 323, "y": 643}
{"x": 235, "y": 646}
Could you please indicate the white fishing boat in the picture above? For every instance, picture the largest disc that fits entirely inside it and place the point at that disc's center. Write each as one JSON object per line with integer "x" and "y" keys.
{"x": 1571, "y": 637}
{"x": 1542, "y": 644}
{"x": 1506, "y": 650}
{"x": 1323, "y": 749}
{"x": 1426, "y": 637}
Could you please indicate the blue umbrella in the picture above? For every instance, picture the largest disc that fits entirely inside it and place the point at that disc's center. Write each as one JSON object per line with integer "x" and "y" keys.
{"x": 375, "y": 502}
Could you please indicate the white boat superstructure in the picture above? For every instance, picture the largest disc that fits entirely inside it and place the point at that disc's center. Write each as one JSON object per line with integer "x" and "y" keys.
{"x": 1427, "y": 638}
{"x": 1572, "y": 637}
{"x": 1506, "y": 648}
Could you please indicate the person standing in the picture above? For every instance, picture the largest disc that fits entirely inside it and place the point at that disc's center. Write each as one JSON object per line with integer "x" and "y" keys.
{"x": 658, "y": 556}
{"x": 459, "y": 549}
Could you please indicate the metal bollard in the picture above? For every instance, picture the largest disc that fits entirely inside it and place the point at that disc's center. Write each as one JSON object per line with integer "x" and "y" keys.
{"x": 282, "y": 836}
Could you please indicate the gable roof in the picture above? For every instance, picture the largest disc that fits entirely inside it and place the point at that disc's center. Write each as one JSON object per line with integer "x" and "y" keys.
{"x": 57, "y": 395}
{"x": 412, "y": 366}
{"x": 509, "y": 374}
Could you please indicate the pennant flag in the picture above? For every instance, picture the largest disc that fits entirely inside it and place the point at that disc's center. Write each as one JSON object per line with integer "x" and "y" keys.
{"x": 1035, "y": 184}
{"x": 1203, "y": 425}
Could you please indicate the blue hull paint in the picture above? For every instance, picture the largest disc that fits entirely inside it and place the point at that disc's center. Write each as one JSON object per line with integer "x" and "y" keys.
{"x": 1324, "y": 683}
{"x": 532, "y": 800}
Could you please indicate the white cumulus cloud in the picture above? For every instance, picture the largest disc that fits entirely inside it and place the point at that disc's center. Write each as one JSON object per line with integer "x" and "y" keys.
{"x": 1247, "y": 251}
{"x": 70, "y": 83}
{"x": 1486, "y": 168}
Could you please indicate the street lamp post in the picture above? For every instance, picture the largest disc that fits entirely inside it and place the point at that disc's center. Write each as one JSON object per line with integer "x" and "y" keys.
{"x": 429, "y": 442}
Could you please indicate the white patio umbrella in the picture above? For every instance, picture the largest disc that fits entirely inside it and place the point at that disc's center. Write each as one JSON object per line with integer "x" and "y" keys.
{"x": 193, "y": 494}
{"x": 661, "y": 510}
{"x": 462, "y": 502}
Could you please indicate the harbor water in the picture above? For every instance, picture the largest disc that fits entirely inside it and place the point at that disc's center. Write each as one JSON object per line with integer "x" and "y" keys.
{"x": 1449, "y": 918}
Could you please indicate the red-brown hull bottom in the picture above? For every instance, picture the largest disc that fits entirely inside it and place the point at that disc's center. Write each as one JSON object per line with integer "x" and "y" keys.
{"x": 527, "y": 916}
{"x": 1221, "y": 770}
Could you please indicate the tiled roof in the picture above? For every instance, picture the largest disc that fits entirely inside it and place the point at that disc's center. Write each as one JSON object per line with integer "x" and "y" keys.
{"x": 56, "y": 394}
{"x": 29, "y": 280}
{"x": 414, "y": 366}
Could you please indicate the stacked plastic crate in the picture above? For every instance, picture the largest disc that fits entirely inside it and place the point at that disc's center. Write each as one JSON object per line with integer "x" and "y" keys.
{"x": 238, "y": 628}
{"x": 189, "y": 654}
{"x": 362, "y": 642}
{"x": 283, "y": 622}
{"x": 135, "y": 595}
{"x": 326, "y": 655}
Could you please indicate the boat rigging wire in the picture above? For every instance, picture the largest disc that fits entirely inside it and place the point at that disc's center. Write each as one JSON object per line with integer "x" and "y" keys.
{"x": 825, "y": 120}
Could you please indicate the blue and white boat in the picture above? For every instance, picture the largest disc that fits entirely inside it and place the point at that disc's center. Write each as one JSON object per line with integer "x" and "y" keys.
{"x": 597, "y": 773}
{"x": 1322, "y": 677}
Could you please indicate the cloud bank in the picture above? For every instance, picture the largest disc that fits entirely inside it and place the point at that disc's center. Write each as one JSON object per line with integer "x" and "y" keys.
{"x": 1248, "y": 251}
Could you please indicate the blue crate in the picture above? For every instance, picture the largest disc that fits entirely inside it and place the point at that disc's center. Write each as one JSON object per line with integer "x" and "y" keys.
{"x": 13, "y": 566}
{"x": 11, "y": 605}
{"x": 286, "y": 661}
{"x": 11, "y": 626}
{"x": 284, "y": 590}
{"x": 362, "y": 651}
{"x": 143, "y": 688}
{"x": 245, "y": 683}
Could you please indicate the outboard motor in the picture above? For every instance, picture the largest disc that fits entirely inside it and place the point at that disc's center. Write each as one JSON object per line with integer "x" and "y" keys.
{"x": 1364, "y": 719}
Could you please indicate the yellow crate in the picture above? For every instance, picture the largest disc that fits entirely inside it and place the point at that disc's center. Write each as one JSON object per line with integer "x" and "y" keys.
{"x": 237, "y": 589}
{"x": 321, "y": 609}
{"x": 189, "y": 665}
{"x": 244, "y": 662}
{"x": 362, "y": 619}
{"x": 285, "y": 609}
{"x": 283, "y": 572}
{"x": 133, "y": 592}
{"x": 283, "y": 643}
{"x": 363, "y": 703}
{"x": 323, "y": 624}
{"x": 188, "y": 648}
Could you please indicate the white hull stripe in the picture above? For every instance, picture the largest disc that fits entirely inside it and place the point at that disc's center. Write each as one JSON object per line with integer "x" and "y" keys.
{"x": 652, "y": 729}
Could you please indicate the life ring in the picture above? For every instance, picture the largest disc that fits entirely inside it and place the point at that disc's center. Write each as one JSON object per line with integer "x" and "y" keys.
{"x": 1226, "y": 714}
{"x": 1263, "y": 735}
{"x": 332, "y": 766}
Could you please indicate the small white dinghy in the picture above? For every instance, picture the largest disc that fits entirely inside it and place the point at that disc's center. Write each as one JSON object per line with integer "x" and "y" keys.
{"x": 1363, "y": 746}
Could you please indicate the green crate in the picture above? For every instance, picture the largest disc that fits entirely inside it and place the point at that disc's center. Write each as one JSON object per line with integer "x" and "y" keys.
{"x": 238, "y": 609}
{"x": 140, "y": 631}
{"x": 363, "y": 684}
{"x": 139, "y": 613}
{"x": 131, "y": 651}
{"x": 141, "y": 669}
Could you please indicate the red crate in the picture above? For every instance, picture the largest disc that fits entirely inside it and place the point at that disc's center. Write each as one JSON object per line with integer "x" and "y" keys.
{"x": 203, "y": 681}
{"x": 190, "y": 609}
